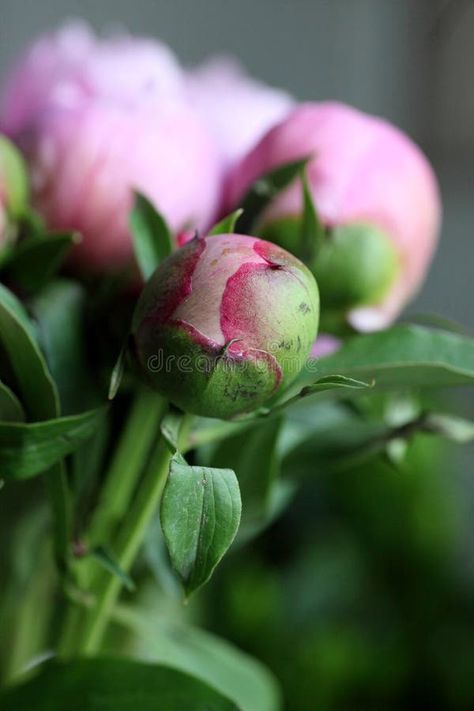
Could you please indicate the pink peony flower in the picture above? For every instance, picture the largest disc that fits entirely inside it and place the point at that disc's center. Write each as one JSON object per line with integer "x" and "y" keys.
{"x": 364, "y": 171}
{"x": 224, "y": 323}
{"x": 238, "y": 108}
{"x": 98, "y": 119}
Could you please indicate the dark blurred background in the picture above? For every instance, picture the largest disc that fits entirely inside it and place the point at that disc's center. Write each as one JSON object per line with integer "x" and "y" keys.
{"x": 361, "y": 598}
{"x": 411, "y": 61}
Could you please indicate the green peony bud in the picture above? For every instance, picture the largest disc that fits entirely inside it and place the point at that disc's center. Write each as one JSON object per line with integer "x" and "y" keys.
{"x": 225, "y": 323}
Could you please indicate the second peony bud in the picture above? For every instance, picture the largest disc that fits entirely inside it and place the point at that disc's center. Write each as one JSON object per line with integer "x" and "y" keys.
{"x": 225, "y": 323}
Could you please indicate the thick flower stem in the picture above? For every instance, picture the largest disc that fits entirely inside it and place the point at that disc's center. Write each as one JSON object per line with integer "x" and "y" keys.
{"x": 127, "y": 463}
{"x": 130, "y": 540}
{"x": 133, "y": 449}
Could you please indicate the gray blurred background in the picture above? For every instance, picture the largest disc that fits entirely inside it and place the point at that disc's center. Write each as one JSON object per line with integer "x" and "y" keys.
{"x": 411, "y": 61}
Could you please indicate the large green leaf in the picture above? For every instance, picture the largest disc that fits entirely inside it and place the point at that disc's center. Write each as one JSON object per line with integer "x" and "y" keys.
{"x": 113, "y": 685}
{"x": 200, "y": 515}
{"x": 403, "y": 356}
{"x": 151, "y": 235}
{"x": 59, "y": 310}
{"x": 233, "y": 673}
{"x": 30, "y": 449}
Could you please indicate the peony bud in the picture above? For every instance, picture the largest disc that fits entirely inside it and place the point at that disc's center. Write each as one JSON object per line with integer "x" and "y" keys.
{"x": 225, "y": 323}
{"x": 13, "y": 188}
{"x": 238, "y": 109}
{"x": 375, "y": 193}
{"x": 100, "y": 119}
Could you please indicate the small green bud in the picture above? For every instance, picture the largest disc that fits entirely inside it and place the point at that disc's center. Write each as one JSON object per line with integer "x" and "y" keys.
{"x": 13, "y": 179}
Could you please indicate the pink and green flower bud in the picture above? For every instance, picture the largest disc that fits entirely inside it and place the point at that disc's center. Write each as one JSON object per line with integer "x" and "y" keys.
{"x": 225, "y": 323}
{"x": 13, "y": 188}
{"x": 376, "y": 195}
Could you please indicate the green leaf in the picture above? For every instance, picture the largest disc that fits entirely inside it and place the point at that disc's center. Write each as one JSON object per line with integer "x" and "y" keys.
{"x": 152, "y": 238}
{"x": 200, "y": 515}
{"x": 11, "y": 409}
{"x": 107, "y": 561}
{"x": 113, "y": 685}
{"x": 35, "y": 261}
{"x": 117, "y": 373}
{"x": 264, "y": 190}
{"x": 59, "y": 310}
{"x": 233, "y": 673}
{"x": 170, "y": 428}
{"x": 312, "y": 232}
{"x": 404, "y": 355}
{"x": 227, "y": 225}
{"x": 33, "y": 381}
{"x": 25, "y": 361}
{"x": 30, "y": 449}
{"x": 253, "y": 456}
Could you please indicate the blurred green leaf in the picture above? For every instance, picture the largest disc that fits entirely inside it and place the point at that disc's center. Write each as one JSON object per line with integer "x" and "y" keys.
{"x": 59, "y": 311}
{"x": 39, "y": 396}
{"x": 227, "y": 225}
{"x": 170, "y": 427}
{"x": 410, "y": 356}
{"x": 112, "y": 685}
{"x": 29, "y": 449}
{"x": 264, "y": 190}
{"x": 34, "y": 261}
{"x": 221, "y": 665}
{"x": 151, "y": 235}
{"x": 24, "y": 360}
{"x": 253, "y": 456}
{"x": 107, "y": 561}
{"x": 312, "y": 232}
{"x": 200, "y": 515}
{"x": 11, "y": 409}
{"x": 117, "y": 373}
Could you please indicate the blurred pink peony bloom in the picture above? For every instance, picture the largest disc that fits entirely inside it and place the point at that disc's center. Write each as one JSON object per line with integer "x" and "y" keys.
{"x": 238, "y": 108}
{"x": 325, "y": 345}
{"x": 100, "y": 118}
{"x": 364, "y": 170}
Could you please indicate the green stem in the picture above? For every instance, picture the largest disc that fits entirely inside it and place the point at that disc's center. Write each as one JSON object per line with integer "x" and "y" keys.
{"x": 130, "y": 540}
{"x": 60, "y": 504}
{"x": 133, "y": 449}
{"x": 126, "y": 466}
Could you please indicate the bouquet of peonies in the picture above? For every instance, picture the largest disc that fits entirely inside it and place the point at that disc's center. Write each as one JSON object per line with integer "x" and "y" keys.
{"x": 199, "y": 279}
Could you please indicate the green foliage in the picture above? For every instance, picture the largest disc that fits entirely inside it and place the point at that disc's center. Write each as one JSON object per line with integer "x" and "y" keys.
{"x": 113, "y": 685}
{"x": 223, "y": 666}
{"x": 227, "y": 224}
{"x": 200, "y": 515}
{"x": 28, "y": 449}
{"x": 36, "y": 259}
{"x": 264, "y": 190}
{"x": 152, "y": 238}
